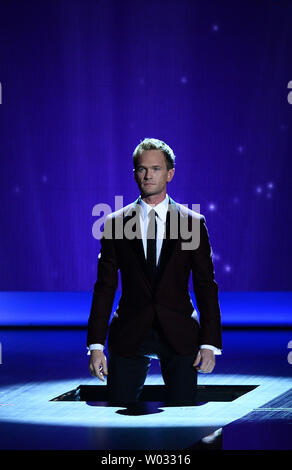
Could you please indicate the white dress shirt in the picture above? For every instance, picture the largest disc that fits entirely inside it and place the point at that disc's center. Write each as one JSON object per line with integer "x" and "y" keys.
{"x": 161, "y": 211}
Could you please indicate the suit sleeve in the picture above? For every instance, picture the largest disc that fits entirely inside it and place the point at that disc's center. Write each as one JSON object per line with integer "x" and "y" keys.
{"x": 104, "y": 289}
{"x": 206, "y": 290}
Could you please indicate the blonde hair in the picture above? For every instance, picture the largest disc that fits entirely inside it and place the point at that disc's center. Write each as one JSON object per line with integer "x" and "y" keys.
{"x": 155, "y": 144}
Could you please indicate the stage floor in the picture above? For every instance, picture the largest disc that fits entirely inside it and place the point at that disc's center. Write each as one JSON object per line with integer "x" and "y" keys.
{"x": 41, "y": 364}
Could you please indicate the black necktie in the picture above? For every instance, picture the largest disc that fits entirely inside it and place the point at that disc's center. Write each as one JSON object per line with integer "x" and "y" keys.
{"x": 151, "y": 243}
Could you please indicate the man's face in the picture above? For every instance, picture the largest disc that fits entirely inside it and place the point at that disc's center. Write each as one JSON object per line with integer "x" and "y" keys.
{"x": 151, "y": 173}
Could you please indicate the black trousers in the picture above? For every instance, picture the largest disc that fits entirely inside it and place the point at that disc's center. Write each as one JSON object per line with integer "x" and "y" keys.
{"x": 126, "y": 376}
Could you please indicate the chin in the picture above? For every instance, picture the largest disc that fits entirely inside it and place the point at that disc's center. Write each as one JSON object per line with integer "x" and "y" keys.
{"x": 149, "y": 192}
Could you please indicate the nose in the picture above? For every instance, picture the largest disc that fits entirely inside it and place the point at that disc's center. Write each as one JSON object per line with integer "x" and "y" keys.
{"x": 148, "y": 174}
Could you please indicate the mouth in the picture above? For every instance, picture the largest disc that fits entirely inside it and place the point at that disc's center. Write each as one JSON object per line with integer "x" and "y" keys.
{"x": 149, "y": 184}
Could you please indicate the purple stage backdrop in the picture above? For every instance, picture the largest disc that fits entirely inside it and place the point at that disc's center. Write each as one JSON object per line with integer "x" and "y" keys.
{"x": 84, "y": 81}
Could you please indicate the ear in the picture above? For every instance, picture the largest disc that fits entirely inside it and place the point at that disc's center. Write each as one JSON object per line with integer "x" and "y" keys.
{"x": 170, "y": 174}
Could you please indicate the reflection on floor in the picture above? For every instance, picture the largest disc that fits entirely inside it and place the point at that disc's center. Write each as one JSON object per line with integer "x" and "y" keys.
{"x": 40, "y": 365}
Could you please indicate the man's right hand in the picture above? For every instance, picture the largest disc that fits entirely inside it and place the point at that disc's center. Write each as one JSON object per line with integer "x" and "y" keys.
{"x": 98, "y": 364}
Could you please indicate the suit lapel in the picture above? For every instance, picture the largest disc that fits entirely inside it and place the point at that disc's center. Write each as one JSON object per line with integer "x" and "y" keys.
{"x": 131, "y": 220}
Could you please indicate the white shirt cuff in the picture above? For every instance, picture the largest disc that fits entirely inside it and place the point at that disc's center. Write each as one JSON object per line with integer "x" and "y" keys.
{"x": 95, "y": 346}
{"x": 208, "y": 346}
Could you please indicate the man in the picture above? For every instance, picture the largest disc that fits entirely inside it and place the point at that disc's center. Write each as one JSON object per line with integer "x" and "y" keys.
{"x": 155, "y": 315}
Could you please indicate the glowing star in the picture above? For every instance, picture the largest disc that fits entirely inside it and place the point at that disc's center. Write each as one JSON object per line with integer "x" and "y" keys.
{"x": 211, "y": 206}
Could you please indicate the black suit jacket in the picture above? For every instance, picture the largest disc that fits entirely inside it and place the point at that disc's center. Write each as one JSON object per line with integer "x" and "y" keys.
{"x": 168, "y": 297}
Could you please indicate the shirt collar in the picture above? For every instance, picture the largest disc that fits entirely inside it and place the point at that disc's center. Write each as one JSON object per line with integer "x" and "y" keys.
{"x": 160, "y": 209}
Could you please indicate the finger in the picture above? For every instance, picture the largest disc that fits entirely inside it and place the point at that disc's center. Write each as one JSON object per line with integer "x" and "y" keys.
{"x": 203, "y": 366}
{"x": 104, "y": 366}
{"x": 92, "y": 371}
{"x": 197, "y": 360}
{"x": 96, "y": 370}
{"x": 203, "y": 371}
{"x": 100, "y": 371}
{"x": 207, "y": 366}
{"x": 99, "y": 374}
{"x": 91, "y": 367}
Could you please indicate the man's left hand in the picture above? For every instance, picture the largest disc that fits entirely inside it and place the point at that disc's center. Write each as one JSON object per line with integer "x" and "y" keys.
{"x": 205, "y": 361}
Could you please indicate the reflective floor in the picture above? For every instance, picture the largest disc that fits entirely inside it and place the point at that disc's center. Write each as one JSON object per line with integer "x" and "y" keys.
{"x": 39, "y": 365}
